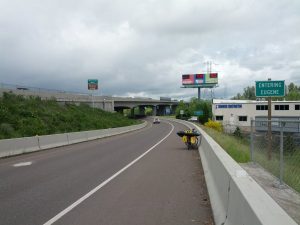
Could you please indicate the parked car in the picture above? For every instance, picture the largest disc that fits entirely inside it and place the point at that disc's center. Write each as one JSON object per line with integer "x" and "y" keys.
{"x": 156, "y": 120}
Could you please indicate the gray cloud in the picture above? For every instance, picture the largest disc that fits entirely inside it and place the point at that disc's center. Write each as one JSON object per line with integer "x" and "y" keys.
{"x": 143, "y": 47}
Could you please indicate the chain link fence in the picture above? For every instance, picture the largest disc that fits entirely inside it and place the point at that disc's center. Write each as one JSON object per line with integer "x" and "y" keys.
{"x": 275, "y": 145}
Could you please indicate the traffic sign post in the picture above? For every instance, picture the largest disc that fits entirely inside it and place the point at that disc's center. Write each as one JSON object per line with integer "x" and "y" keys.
{"x": 269, "y": 89}
{"x": 93, "y": 85}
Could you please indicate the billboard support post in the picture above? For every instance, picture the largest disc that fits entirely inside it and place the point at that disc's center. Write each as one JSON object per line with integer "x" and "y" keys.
{"x": 199, "y": 93}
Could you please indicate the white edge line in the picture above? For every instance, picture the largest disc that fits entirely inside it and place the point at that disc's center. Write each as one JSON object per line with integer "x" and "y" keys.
{"x": 80, "y": 200}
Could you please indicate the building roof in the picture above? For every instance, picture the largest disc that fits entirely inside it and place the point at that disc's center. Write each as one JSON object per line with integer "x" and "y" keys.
{"x": 229, "y": 101}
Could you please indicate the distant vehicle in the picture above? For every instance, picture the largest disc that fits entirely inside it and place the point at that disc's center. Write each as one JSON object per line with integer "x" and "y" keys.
{"x": 193, "y": 118}
{"x": 156, "y": 120}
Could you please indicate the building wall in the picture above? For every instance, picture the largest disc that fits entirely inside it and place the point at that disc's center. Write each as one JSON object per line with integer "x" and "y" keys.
{"x": 231, "y": 110}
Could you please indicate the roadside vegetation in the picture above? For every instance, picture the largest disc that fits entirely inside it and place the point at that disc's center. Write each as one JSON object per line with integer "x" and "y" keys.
{"x": 195, "y": 106}
{"x": 234, "y": 144}
{"x": 23, "y": 117}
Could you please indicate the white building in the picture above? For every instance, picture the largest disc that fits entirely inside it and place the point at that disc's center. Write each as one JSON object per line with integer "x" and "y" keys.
{"x": 233, "y": 113}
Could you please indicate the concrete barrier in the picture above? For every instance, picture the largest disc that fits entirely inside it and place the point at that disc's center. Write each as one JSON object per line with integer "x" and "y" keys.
{"x": 16, "y": 146}
{"x": 52, "y": 141}
{"x": 76, "y": 137}
{"x": 235, "y": 197}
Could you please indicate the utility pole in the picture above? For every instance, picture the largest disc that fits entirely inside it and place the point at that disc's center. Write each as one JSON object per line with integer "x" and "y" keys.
{"x": 208, "y": 71}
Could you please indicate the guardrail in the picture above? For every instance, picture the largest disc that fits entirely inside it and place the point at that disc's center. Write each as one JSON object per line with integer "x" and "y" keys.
{"x": 16, "y": 146}
{"x": 235, "y": 197}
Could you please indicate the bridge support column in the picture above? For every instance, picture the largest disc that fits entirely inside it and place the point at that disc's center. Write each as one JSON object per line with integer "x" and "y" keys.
{"x": 132, "y": 112}
{"x": 161, "y": 110}
{"x": 173, "y": 109}
{"x": 154, "y": 110}
{"x": 142, "y": 110}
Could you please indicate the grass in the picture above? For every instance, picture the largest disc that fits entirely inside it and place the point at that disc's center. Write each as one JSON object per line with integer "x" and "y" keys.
{"x": 237, "y": 148}
{"x": 23, "y": 117}
{"x": 291, "y": 171}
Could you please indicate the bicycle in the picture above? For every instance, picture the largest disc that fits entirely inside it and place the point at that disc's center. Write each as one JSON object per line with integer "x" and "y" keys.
{"x": 191, "y": 138}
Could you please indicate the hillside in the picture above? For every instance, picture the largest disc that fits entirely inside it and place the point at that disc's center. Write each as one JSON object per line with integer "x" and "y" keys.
{"x": 23, "y": 117}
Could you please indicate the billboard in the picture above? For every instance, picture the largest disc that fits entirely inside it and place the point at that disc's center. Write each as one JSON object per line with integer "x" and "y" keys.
{"x": 188, "y": 79}
{"x": 92, "y": 84}
{"x": 200, "y": 80}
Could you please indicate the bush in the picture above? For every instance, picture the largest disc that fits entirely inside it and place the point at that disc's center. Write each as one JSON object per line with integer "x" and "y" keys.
{"x": 238, "y": 132}
{"x": 6, "y": 130}
{"x": 214, "y": 125}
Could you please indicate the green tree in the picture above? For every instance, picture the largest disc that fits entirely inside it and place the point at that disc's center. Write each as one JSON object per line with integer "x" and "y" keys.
{"x": 200, "y": 105}
{"x": 293, "y": 92}
{"x": 292, "y": 87}
{"x": 249, "y": 94}
{"x": 148, "y": 111}
{"x": 182, "y": 106}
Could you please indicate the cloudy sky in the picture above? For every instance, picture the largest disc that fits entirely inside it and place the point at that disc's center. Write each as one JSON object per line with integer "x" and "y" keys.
{"x": 141, "y": 48}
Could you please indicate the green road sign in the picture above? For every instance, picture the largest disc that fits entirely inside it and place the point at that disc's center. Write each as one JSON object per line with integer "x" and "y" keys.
{"x": 198, "y": 113}
{"x": 93, "y": 84}
{"x": 270, "y": 88}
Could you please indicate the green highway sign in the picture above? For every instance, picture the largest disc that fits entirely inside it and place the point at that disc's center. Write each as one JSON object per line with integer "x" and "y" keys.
{"x": 270, "y": 88}
{"x": 92, "y": 84}
{"x": 198, "y": 113}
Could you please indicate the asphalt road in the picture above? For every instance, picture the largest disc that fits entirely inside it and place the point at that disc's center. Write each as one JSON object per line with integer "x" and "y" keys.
{"x": 98, "y": 182}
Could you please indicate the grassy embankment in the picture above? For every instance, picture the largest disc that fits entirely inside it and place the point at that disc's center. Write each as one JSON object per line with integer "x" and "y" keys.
{"x": 239, "y": 148}
{"x": 291, "y": 166}
{"x": 23, "y": 117}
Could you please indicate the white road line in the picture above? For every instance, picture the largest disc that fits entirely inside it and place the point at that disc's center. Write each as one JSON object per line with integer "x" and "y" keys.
{"x": 80, "y": 200}
{"x": 22, "y": 164}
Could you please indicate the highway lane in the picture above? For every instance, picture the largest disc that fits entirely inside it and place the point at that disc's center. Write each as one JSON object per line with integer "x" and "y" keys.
{"x": 164, "y": 187}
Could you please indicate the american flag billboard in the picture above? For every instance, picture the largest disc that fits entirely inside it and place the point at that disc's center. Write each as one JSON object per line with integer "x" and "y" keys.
{"x": 188, "y": 79}
{"x": 199, "y": 80}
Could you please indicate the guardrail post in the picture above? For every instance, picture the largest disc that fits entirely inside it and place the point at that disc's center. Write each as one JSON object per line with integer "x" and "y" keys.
{"x": 251, "y": 142}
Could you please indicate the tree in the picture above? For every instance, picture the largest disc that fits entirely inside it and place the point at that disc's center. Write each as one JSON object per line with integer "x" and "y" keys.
{"x": 201, "y": 105}
{"x": 293, "y": 95}
{"x": 292, "y": 87}
{"x": 182, "y": 106}
{"x": 249, "y": 94}
{"x": 237, "y": 97}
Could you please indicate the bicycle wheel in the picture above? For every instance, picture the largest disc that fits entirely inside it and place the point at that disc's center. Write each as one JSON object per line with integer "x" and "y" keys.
{"x": 195, "y": 145}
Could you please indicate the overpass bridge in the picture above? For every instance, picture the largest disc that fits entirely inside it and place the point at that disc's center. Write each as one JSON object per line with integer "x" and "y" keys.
{"x": 107, "y": 103}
